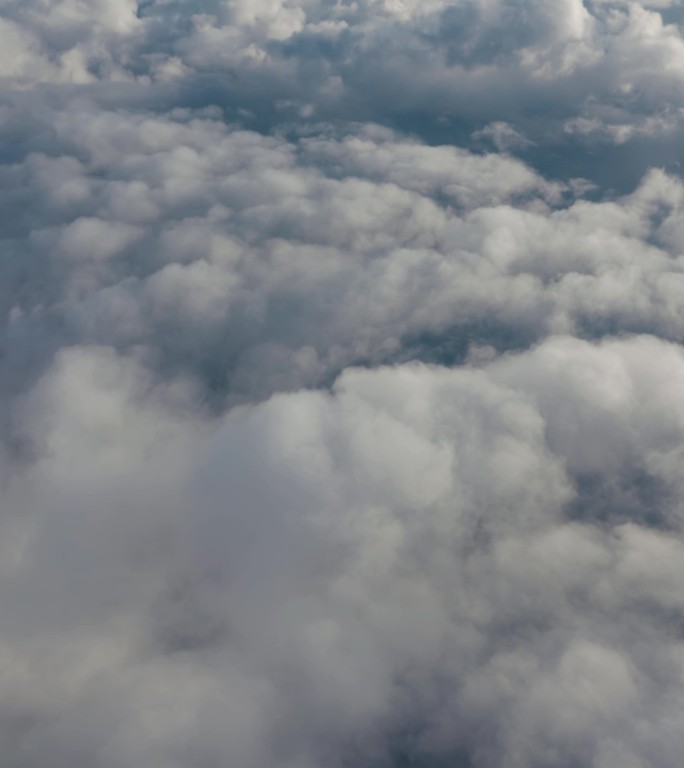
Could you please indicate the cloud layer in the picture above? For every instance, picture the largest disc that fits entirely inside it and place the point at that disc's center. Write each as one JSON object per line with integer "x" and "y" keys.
{"x": 340, "y": 384}
{"x": 566, "y": 76}
{"x": 409, "y": 565}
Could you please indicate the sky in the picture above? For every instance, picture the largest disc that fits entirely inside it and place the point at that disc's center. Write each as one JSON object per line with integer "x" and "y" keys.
{"x": 341, "y": 384}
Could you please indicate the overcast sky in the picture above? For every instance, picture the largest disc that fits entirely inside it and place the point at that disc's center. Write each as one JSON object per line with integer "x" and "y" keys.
{"x": 341, "y": 384}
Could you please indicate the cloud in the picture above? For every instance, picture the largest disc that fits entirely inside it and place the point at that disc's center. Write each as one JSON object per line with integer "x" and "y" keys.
{"x": 437, "y": 67}
{"x": 391, "y": 568}
{"x": 255, "y": 263}
{"x": 67, "y": 41}
{"x": 340, "y": 379}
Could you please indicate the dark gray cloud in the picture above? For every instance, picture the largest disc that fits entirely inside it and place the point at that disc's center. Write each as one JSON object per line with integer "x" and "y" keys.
{"x": 340, "y": 382}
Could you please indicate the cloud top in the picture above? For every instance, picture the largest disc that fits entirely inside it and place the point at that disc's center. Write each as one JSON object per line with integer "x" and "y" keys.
{"x": 340, "y": 384}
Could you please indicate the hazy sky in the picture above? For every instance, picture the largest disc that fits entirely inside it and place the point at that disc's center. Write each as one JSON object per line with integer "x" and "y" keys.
{"x": 341, "y": 384}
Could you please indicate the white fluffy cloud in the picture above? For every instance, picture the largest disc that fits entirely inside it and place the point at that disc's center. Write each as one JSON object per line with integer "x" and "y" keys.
{"x": 393, "y": 568}
{"x": 340, "y": 384}
{"x": 256, "y": 263}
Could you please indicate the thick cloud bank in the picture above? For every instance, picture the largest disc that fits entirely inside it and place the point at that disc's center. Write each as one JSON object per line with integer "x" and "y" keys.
{"x": 409, "y": 568}
{"x": 341, "y": 374}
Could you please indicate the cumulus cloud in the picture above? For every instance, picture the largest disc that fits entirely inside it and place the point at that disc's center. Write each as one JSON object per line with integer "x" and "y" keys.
{"x": 392, "y": 571}
{"x": 600, "y": 72}
{"x": 340, "y": 378}
{"x": 256, "y": 263}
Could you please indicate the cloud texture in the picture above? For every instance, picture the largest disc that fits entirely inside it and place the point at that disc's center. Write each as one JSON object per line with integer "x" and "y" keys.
{"x": 341, "y": 382}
